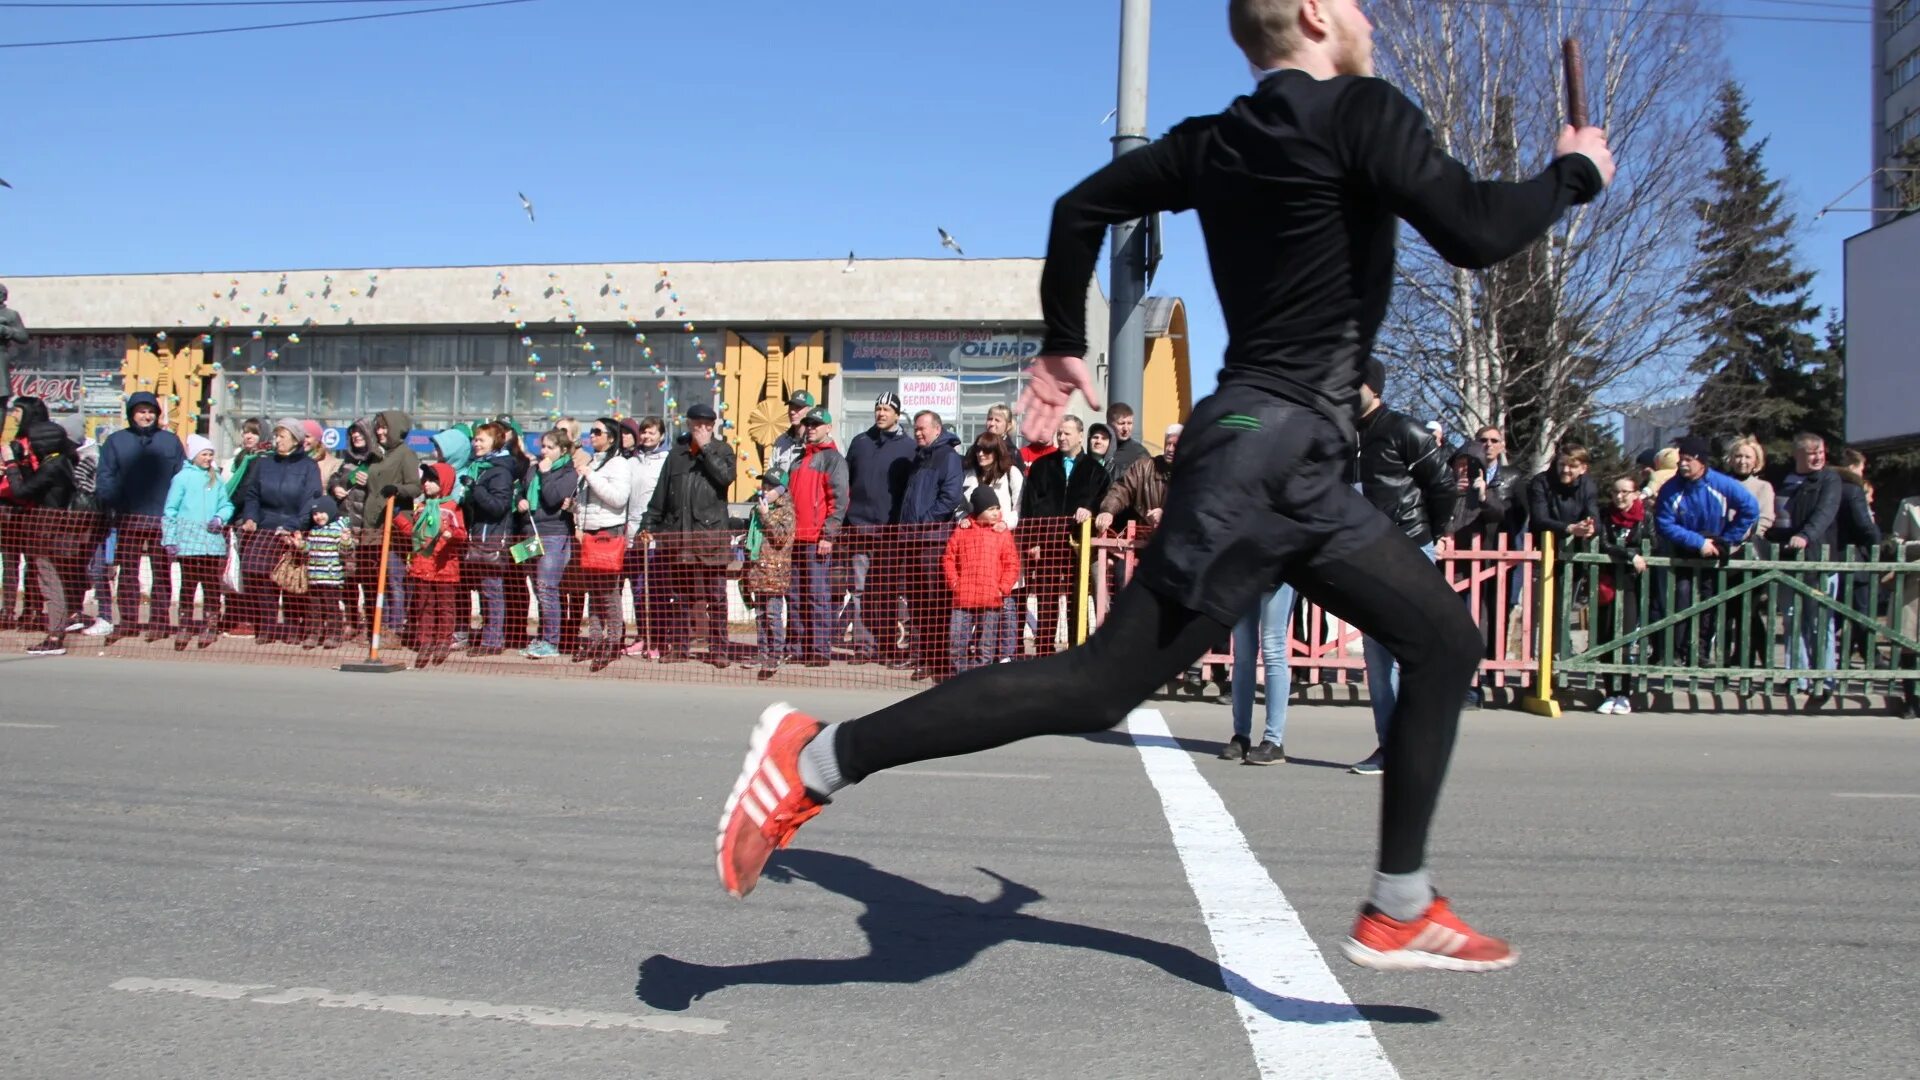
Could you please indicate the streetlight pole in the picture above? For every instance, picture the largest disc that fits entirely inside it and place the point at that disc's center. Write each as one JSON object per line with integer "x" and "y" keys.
{"x": 1127, "y": 342}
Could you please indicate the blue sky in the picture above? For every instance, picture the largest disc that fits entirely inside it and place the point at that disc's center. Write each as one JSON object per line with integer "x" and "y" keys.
{"x": 745, "y": 129}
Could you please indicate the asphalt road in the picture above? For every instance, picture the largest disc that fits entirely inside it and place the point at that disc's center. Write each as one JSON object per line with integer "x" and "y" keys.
{"x": 221, "y": 872}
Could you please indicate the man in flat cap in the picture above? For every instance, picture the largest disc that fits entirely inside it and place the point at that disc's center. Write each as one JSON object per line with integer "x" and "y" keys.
{"x": 689, "y": 514}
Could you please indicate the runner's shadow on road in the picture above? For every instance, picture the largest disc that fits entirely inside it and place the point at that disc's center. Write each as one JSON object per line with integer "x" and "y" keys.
{"x": 916, "y": 933}
{"x": 1201, "y": 747}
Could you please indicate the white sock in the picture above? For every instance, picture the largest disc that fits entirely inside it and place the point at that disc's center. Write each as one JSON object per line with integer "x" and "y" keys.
{"x": 819, "y": 766}
{"x": 1404, "y": 897}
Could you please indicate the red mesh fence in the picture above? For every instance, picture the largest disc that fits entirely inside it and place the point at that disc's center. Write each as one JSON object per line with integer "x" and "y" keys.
{"x": 886, "y": 607}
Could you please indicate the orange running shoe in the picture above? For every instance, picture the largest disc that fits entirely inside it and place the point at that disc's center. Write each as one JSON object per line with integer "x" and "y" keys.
{"x": 769, "y": 803}
{"x": 1436, "y": 941}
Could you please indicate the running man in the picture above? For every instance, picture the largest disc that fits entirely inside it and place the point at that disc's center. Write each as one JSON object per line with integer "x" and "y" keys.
{"x": 1298, "y": 187}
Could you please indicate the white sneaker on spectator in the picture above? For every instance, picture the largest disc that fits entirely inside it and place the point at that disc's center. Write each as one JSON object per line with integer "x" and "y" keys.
{"x": 78, "y": 623}
{"x": 100, "y": 628}
{"x": 1621, "y": 706}
{"x": 1605, "y": 706}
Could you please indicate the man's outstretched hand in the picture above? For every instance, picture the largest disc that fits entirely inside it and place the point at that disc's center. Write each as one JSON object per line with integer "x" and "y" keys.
{"x": 1051, "y": 381}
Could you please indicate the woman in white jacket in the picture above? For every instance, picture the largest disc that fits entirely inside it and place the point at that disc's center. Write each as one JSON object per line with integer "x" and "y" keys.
{"x": 649, "y": 458}
{"x": 993, "y": 461}
{"x": 600, "y": 512}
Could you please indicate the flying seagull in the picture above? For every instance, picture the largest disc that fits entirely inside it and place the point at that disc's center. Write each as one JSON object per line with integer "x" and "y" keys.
{"x": 947, "y": 241}
{"x": 848, "y": 269}
{"x": 526, "y": 204}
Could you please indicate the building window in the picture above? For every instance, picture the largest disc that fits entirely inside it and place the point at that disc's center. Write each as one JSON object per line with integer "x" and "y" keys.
{"x": 1902, "y": 73}
{"x": 287, "y": 396}
{"x": 483, "y": 395}
{"x": 433, "y": 400}
{"x": 1900, "y": 13}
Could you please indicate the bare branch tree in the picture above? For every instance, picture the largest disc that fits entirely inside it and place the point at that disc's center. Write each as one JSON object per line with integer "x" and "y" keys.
{"x": 1591, "y": 313}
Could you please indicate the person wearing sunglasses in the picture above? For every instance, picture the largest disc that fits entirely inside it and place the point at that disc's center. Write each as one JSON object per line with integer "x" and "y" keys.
{"x": 600, "y": 511}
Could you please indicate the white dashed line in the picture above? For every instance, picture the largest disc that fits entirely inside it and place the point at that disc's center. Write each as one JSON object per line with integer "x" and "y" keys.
{"x": 414, "y": 1005}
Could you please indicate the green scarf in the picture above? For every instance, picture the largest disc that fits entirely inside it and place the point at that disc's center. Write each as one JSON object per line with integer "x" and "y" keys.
{"x": 426, "y": 526}
{"x": 240, "y": 474}
{"x": 755, "y": 534}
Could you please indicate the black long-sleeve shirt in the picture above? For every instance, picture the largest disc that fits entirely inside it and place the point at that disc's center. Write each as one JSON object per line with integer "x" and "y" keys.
{"x": 1298, "y": 187}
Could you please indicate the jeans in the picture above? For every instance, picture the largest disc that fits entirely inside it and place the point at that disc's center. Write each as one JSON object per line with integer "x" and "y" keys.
{"x": 773, "y": 629}
{"x": 1809, "y": 628}
{"x": 852, "y": 619}
{"x": 974, "y": 637}
{"x": 1263, "y": 630}
{"x": 394, "y": 618}
{"x": 558, "y": 549}
{"x": 1383, "y": 676}
{"x": 493, "y": 612}
{"x": 815, "y": 571}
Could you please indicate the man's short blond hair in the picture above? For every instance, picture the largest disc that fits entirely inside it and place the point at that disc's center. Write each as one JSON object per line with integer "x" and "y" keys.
{"x": 1268, "y": 31}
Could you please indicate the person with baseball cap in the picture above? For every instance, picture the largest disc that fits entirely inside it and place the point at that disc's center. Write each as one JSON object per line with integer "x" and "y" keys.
{"x": 689, "y": 511}
{"x": 787, "y": 448}
{"x": 818, "y": 484}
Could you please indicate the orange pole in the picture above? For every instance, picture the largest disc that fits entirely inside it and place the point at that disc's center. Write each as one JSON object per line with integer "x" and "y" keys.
{"x": 380, "y": 589}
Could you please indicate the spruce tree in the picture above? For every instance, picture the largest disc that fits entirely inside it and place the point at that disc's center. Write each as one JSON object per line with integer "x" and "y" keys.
{"x": 1765, "y": 374}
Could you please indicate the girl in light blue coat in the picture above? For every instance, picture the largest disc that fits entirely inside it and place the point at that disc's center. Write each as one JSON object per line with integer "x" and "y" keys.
{"x": 194, "y": 531}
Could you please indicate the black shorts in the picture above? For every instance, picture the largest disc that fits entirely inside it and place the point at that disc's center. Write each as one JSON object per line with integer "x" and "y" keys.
{"x": 1259, "y": 490}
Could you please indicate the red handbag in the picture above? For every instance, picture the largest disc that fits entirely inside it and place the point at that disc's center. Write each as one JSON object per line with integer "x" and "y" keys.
{"x": 604, "y": 552}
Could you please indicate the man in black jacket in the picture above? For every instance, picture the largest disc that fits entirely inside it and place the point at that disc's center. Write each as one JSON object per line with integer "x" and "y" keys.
{"x": 879, "y": 460}
{"x": 689, "y": 509}
{"x": 1404, "y": 474}
{"x": 1807, "y": 523}
{"x": 1299, "y": 187}
{"x": 1063, "y": 489}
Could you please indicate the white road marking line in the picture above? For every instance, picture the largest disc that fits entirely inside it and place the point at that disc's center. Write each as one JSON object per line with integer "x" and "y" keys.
{"x": 959, "y": 774}
{"x": 17, "y": 725}
{"x": 414, "y": 1005}
{"x": 1314, "y": 1030}
{"x": 1876, "y": 795}
{"x": 196, "y": 987}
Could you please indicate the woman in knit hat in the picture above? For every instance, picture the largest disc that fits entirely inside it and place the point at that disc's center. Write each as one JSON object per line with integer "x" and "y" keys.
{"x": 281, "y": 490}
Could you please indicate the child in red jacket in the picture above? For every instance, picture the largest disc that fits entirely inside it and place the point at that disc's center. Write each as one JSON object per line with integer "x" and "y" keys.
{"x": 982, "y": 565}
{"x": 436, "y": 532}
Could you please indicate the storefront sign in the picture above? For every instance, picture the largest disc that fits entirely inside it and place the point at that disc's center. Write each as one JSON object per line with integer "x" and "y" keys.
{"x": 60, "y": 392}
{"x": 919, "y": 392}
{"x": 937, "y": 352}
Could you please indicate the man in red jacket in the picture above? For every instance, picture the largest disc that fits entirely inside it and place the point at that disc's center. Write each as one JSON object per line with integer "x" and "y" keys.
{"x": 818, "y": 484}
{"x": 982, "y": 564}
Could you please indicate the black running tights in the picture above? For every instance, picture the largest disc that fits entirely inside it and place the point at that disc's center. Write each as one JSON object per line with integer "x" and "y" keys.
{"x": 1387, "y": 589}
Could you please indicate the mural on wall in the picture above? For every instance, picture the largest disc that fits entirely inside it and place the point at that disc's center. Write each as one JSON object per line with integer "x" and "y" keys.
{"x": 766, "y": 378}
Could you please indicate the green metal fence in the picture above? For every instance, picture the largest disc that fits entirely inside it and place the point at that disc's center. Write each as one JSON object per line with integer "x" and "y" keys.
{"x": 1697, "y": 625}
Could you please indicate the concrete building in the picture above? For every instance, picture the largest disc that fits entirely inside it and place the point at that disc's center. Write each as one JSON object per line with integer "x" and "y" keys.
{"x": 578, "y": 340}
{"x": 1896, "y": 96}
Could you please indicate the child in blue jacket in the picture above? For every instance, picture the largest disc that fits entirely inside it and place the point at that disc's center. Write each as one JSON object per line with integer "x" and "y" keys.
{"x": 194, "y": 533}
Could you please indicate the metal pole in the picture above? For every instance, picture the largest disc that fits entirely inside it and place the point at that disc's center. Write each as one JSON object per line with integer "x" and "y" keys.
{"x": 1127, "y": 344}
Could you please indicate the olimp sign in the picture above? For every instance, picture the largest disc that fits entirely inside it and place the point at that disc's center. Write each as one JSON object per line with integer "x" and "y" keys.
{"x": 936, "y": 352}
